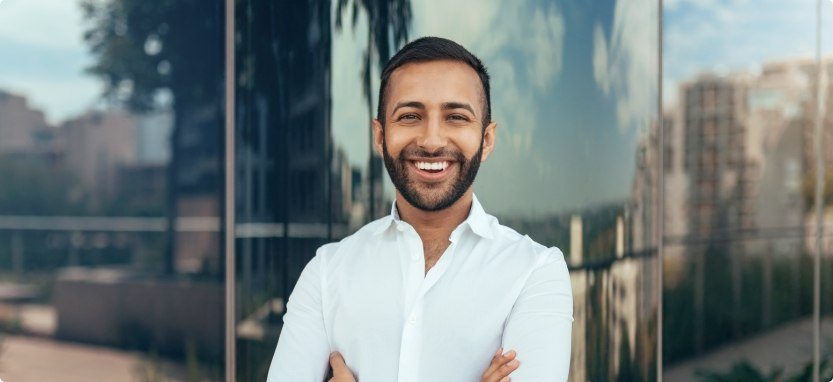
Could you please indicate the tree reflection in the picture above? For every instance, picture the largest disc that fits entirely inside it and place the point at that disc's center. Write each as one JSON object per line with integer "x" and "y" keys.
{"x": 289, "y": 170}
{"x": 151, "y": 59}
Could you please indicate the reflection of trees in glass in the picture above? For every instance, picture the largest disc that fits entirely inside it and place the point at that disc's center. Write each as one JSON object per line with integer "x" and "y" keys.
{"x": 288, "y": 167}
{"x": 166, "y": 54}
{"x": 388, "y": 25}
{"x": 745, "y": 371}
{"x": 788, "y": 297}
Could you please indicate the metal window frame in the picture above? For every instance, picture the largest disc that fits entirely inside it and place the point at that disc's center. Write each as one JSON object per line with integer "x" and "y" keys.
{"x": 228, "y": 206}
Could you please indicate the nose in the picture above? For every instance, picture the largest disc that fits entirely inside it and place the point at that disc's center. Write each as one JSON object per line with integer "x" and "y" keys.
{"x": 433, "y": 136}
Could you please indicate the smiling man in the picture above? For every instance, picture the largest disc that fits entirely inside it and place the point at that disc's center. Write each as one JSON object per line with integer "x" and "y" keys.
{"x": 436, "y": 290}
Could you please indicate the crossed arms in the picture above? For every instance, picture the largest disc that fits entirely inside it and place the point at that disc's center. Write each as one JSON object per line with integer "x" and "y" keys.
{"x": 538, "y": 329}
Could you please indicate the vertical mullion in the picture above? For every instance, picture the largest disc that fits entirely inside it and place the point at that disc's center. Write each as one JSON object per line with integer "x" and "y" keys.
{"x": 660, "y": 240}
{"x": 228, "y": 231}
{"x": 819, "y": 202}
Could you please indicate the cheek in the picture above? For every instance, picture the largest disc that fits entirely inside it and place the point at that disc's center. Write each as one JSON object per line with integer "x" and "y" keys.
{"x": 468, "y": 143}
{"x": 396, "y": 141}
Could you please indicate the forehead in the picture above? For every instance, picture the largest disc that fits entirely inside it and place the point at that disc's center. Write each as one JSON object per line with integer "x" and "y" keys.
{"x": 435, "y": 82}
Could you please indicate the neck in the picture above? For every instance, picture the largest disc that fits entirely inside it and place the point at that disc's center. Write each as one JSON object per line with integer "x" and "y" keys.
{"x": 433, "y": 225}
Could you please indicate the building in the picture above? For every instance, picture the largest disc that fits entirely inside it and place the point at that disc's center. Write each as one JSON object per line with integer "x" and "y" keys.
{"x": 96, "y": 145}
{"x": 25, "y": 132}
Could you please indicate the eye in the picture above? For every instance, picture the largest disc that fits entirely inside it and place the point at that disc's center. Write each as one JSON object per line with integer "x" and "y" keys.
{"x": 408, "y": 117}
{"x": 458, "y": 117}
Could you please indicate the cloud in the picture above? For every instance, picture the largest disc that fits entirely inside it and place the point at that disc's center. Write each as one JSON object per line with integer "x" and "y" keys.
{"x": 521, "y": 56}
{"x": 626, "y": 67}
{"x": 58, "y": 99}
{"x": 48, "y": 56}
{"x": 545, "y": 47}
{"x": 600, "y": 59}
{"x": 738, "y": 35}
{"x": 56, "y": 24}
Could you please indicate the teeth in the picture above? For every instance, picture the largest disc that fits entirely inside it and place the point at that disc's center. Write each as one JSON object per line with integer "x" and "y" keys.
{"x": 432, "y": 165}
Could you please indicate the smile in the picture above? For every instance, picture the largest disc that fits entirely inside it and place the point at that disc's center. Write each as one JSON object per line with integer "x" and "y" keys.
{"x": 432, "y": 170}
{"x": 432, "y": 166}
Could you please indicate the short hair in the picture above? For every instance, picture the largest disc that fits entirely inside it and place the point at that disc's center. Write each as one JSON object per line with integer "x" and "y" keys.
{"x": 426, "y": 49}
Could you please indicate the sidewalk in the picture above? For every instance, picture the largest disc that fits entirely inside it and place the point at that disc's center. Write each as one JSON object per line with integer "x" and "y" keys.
{"x": 32, "y": 359}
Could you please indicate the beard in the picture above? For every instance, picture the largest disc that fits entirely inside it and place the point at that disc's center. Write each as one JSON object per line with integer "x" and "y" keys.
{"x": 434, "y": 196}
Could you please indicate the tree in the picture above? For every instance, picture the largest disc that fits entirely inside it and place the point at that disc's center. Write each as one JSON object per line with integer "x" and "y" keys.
{"x": 166, "y": 54}
{"x": 387, "y": 28}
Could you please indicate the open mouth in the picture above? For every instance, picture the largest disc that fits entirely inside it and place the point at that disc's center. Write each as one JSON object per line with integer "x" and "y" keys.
{"x": 432, "y": 170}
{"x": 432, "y": 167}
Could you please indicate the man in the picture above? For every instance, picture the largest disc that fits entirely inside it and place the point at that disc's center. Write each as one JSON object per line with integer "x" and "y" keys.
{"x": 435, "y": 290}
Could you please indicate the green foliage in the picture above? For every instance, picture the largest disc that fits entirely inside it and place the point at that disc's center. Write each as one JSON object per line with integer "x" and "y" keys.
{"x": 142, "y": 47}
{"x": 745, "y": 371}
{"x": 790, "y": 299}
{"x": 388, "y": 27}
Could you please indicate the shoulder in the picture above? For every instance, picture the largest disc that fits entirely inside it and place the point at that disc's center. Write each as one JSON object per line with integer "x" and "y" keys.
{"x": 361, "y": 237}
{"x": 513, "y": 243}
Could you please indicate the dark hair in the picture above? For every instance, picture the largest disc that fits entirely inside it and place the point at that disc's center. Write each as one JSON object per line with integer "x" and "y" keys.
{"x": 425, "y": 49}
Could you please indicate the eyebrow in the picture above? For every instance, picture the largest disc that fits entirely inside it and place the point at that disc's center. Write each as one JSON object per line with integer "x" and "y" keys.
{"x": 414, "y": 104}
{"x": 444, "y": 106}
{"x": 457, "y": 105}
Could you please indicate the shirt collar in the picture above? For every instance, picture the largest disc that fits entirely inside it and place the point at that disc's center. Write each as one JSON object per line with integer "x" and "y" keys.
{"x": 478, "y": 220}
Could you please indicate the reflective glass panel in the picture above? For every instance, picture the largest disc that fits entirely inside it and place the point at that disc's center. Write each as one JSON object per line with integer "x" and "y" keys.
{"x": 574, "y": 92}
{"x": 111, "y": 116}
{"x": 739, "y": 117}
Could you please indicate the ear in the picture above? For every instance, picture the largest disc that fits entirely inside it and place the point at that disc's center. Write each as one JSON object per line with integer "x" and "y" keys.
{"x": 378, "y": 136}
{"x": 488, "y": 140}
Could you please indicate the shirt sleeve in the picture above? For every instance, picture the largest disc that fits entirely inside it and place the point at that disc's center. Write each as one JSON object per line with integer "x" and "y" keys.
{"x": 540, "y": 324}
{"x": 303, "y": 351}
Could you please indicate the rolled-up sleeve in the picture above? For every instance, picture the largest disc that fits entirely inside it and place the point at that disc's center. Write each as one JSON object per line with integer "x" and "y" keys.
{"x": 303, "y": 350}
{"x": 540, "y": 324}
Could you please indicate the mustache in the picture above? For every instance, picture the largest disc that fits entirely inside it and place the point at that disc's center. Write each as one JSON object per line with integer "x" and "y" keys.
{"x": 418, "y": 152}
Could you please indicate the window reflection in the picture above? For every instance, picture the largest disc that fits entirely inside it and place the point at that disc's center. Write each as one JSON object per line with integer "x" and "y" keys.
{"x": 110, "y": 120}
{"x": 740, "y": 223}
{"x": 575, "y": 166}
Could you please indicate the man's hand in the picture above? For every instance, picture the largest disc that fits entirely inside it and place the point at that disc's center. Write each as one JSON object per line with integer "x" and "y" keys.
{"x": 498, "y": 371}
{"x": 501, "y": 367}
{"x": 340, "y": 371}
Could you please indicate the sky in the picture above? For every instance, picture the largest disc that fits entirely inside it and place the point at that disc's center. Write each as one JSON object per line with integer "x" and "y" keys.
{"x": 574, "y": 83}
{"x": 737, "y": 35}
{"x": 44, "y": 56}
{"x": 567, "y": 129}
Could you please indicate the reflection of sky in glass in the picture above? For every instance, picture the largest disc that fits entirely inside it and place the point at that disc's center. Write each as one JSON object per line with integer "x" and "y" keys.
{"x": 573, "y": 85}
{"x": 738, "y": 35}
{"x": 44, "y": 56}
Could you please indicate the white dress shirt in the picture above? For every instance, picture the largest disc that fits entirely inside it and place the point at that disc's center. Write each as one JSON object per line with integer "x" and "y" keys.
{"x": 369, "y": 298}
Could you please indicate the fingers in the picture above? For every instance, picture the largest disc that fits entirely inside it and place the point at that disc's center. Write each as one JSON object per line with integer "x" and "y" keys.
{"x": 502, "y": 365}
{"x": 340, "y": 369}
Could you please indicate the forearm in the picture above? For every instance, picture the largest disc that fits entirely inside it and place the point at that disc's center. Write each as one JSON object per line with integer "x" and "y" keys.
{"x": 303, "y": 350}
{"x": 540, "y": 325}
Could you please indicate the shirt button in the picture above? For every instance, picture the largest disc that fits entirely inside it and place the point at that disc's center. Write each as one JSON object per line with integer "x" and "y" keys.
{"x": 412, "y": 321}
{"x": 400, "y": 227}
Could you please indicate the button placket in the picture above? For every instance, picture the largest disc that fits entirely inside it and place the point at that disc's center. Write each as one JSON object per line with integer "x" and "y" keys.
{"x": 414, "y": 269}
{"x": 411, "y": 341}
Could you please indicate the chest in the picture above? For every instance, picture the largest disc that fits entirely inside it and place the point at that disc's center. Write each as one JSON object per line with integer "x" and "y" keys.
{"x": 377, "y": 300}
{"x": 432, "y": 251}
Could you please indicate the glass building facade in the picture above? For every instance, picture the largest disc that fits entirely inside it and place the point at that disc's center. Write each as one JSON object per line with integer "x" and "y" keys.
{"x": 168, "y": 169}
